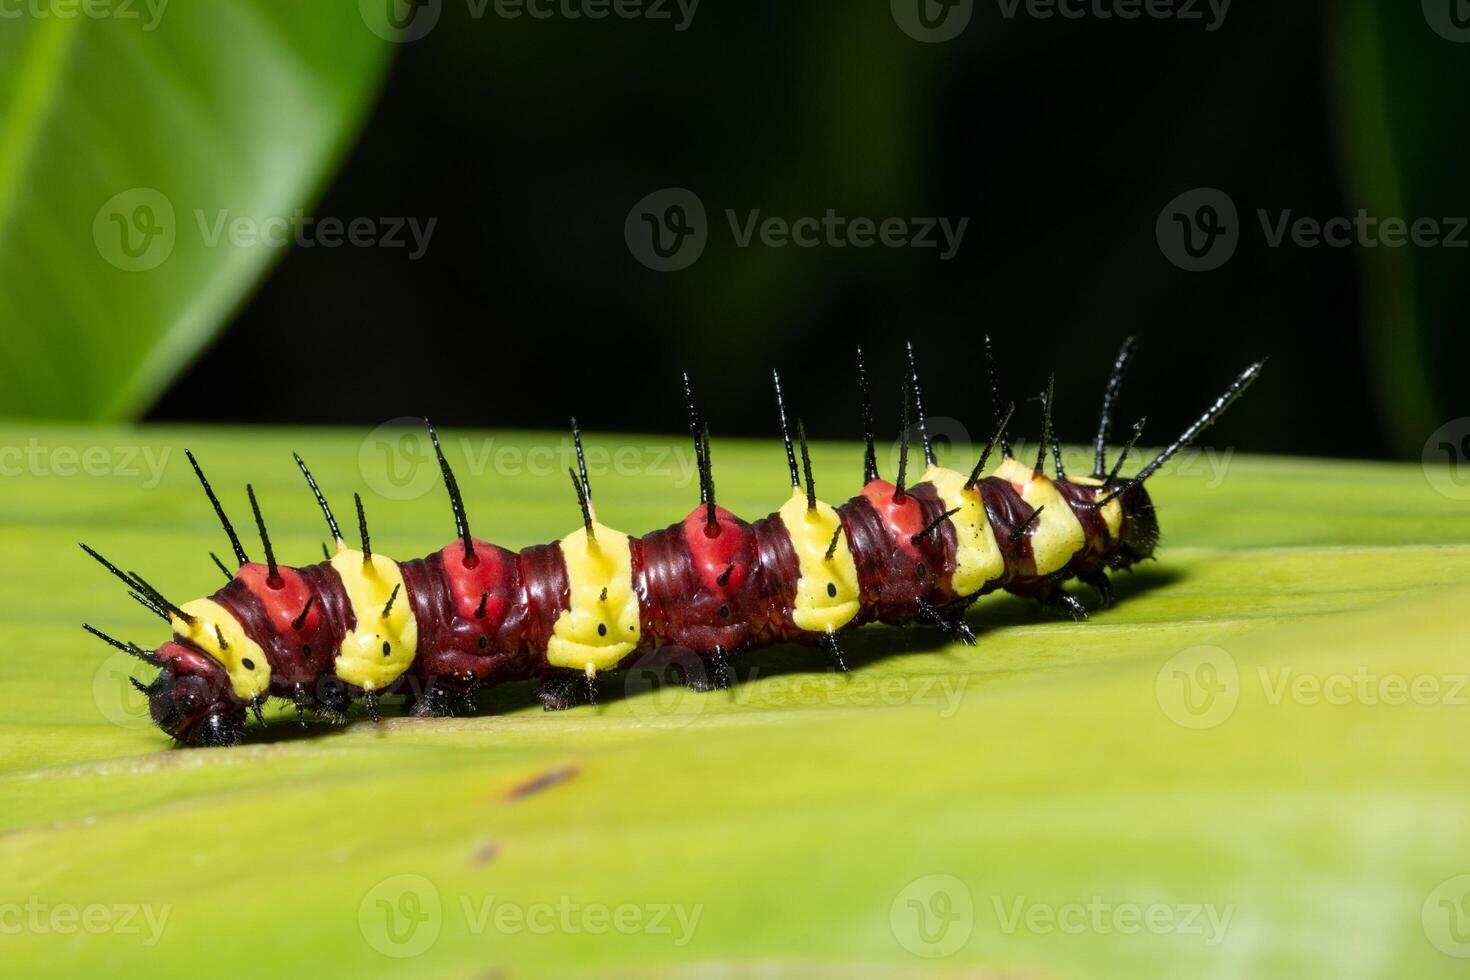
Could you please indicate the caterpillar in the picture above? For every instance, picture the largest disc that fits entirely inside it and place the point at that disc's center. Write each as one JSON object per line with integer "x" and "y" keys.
{"x": 360, "y": 625}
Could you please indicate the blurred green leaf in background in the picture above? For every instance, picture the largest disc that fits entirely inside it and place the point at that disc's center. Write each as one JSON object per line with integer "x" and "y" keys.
{"x": 129, "y": 145}
{"x": 125, "y": 140}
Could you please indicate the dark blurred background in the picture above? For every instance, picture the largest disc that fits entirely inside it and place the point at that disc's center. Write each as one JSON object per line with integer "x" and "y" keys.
{"x": 1061, "y": 140}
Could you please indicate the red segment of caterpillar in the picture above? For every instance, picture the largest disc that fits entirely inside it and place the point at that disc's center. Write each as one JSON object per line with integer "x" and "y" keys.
{"x": 474, "y": 614}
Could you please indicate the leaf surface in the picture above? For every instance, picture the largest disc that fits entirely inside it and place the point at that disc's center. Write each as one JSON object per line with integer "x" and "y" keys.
{"x": 1252, "y": 766}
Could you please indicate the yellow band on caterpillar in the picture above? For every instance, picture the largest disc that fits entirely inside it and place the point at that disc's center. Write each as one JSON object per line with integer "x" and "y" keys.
{"x": 377, "y": 651}
{"x": 1058, "y": 534}
{"x": 600, "y": 626}
{"x": 977, "y": 559}
{"x": 827, "y": 591}
{"x": 218, "y": 633}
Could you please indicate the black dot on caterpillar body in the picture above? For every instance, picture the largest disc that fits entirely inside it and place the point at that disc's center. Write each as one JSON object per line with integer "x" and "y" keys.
{"x": 602, "y": 629}
{"x": 484, "y": 642}
{"x": 247, "y": 663}
{"x": 724, "y": 612}
{"x": 387, "y": 648}
{"x": 919, "y": 569}
{"x": 832, "y": 589}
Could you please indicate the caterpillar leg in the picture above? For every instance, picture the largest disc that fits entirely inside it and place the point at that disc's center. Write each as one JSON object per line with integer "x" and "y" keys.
{"x": 1062, "y": 601}
{"x": 436, "y": 701}
{"x": 471, "y": 689}
{"x": 949, "y": 619}
{"x": 558, "y": 692}
{"x": 829, "y": 643}
{"x": 1102, "y": 585}
{"x": 715, "y": 674}
{"x": 722, "y": 669}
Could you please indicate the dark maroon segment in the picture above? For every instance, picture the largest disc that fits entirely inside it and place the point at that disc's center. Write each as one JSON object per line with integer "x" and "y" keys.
{"x": 1139, "y": 535}
{"x": 546, "y": 592}
{"x": 333, "y": 604}
{"x": 871, "y": 544}
{"x": 1007, "y": 511}
{"x": 770, "y": 591}
{"x": 466, "y": 648}
{"x": 192, "y": 696}
{"x": 1097, "y": 541}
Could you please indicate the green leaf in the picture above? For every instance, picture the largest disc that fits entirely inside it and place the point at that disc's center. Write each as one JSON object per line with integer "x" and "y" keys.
{"x": 1253, "y": 765}
{"x": 124, "y": 137}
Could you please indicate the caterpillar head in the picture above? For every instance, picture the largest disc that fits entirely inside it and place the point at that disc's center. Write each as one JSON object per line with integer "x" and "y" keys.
{"x": 192, "y": 700}
{"x": 1140, "y": 531}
